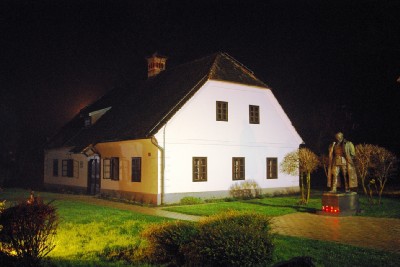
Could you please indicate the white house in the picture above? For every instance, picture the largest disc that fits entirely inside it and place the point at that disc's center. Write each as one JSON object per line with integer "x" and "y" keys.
{"x": 193, "y": 130}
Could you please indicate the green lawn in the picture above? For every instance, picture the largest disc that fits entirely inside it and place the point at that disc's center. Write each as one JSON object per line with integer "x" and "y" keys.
{"x": 276, "y": 206}
{"x": 87, "y": 231}
{"x": 331, "y": 254}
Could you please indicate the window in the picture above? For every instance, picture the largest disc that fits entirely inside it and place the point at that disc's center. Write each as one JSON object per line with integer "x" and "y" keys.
{"x": 272, "y": 168}
{"x": 238, "y": 169}
{"x": 254, "y": 114}
{"x": 136, "y": 169}
{"x": 88, "y": 121}
{"x": 111, "y": 168}
{"x": 55, "y": 167}
{"x": 67, "y": 168}
{"x": 199, "y": 169}
{"x": 222, "y": 111}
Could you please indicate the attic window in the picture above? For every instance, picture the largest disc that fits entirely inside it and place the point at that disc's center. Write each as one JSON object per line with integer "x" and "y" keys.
{"x": 254, "y": 114}
{"x": 222, "y": 111}
{"x": 94, "y": 116}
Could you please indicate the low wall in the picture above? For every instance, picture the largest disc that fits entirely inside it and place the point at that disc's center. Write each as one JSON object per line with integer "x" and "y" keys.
{"x": 65, "y": 189}
{"x": 143, "y": 198}
{"x": 176, "y": 197}
{"x": 154, "y": 199}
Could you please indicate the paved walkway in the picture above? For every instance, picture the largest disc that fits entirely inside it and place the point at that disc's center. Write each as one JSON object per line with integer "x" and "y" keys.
{"x": 376, "y": 233}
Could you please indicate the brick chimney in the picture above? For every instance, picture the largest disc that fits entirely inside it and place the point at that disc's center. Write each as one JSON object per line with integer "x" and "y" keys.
{"x": 155, "y": 64}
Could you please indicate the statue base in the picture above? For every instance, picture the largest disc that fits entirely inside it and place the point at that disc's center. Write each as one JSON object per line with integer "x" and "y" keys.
{"x": 339, "y": 204}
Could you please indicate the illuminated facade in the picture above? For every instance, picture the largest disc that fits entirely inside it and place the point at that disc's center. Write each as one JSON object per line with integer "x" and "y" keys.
{"x": 190, "y": 131}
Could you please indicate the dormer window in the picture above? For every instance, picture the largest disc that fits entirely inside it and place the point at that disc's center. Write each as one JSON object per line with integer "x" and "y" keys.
{"x": 94, "y": 116}
{"x": 88, "y": 121}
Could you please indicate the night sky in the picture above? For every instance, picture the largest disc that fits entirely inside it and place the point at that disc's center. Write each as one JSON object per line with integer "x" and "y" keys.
{"x": 321, "y": 58}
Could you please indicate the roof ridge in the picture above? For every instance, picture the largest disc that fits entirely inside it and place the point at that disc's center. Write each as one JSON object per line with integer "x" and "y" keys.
{"x": 236, "y": 62}
{"x": 213, "y": 67}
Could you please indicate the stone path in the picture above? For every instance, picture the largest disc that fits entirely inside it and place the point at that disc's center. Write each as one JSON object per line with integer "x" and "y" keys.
{"x": 376, "y": 233}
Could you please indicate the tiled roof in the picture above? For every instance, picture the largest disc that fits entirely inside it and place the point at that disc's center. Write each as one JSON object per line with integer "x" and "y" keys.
{"x": 139, "y": 112}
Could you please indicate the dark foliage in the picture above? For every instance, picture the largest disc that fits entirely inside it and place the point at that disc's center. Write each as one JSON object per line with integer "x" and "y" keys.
{"x": 303, "y": 261}
{"x": 232, "y": 239}
{"x": 28, "y": 231}
{"x": 166, "y": 241}
{"x": 229, "y": 239}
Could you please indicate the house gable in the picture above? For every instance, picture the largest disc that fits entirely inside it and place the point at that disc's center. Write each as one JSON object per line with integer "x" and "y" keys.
{"x": 140, "y": 111}
{"x": 194, "y": 133}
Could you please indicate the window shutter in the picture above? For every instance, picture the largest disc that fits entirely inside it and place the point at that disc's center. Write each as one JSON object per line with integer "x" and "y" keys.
{"x": 75, "y": 169}
{"x": 106, "y": 168}
{"x": 55, "y": 167}
{"x": 115, "y": 168}
{"x": 70, "y": 168}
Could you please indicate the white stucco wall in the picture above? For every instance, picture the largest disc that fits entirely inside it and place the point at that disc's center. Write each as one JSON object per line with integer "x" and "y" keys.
{"x": 194, "y": 132}
{"x": 80, "y": 174}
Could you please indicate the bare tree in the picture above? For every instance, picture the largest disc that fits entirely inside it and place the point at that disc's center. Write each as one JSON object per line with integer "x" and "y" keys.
{"x": 384, "y": 164}
{"x": 363, "y": 163}
{"x": 374, "y": 165}
{"x": 324, "y": 161}
{"x": 302, "y": 161}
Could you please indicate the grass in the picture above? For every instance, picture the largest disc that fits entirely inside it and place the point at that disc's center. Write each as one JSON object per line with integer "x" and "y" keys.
{"x": 273, "y": 206}
{"x": 277, "y": 206}
{"x": 87, "y": 232}
{"x": 332, "y": 254}
{"x": 389, "y": 208}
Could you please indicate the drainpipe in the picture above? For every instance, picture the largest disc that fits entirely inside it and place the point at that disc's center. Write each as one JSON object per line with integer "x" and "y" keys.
{"x": 162, "y": 153}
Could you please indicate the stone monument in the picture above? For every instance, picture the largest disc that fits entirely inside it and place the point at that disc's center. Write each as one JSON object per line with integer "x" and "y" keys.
{"x": 341, "y": 171}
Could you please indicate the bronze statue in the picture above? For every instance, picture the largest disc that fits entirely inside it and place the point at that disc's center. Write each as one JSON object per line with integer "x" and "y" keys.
{"x": 341, "y": 154}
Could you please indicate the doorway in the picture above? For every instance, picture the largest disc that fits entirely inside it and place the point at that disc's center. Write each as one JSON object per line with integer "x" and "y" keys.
{"x": 94, "y": 176}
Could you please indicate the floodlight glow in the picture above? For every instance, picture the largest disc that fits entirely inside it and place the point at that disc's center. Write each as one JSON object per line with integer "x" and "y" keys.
{"x": 330, "y": 209}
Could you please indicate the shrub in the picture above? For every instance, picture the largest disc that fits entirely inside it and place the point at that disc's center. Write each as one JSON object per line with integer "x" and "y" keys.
{"x": 245, "y": 190}
{"x": 28, "y": 231}
{"x": 191, "y": 201}
{"x": 235, "y": 191}
{"x": 119, "y": 253}
{"x": 165, "y": 242}
{"x": 232, "y": 239}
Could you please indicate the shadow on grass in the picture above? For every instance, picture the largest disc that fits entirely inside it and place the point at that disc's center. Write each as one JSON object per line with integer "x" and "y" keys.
{"x": 58, "y": 262}
{"x": 297, "y": 208}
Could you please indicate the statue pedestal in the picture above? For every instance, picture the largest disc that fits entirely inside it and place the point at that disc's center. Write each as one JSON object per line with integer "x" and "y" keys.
{"x": 339, "y": 204}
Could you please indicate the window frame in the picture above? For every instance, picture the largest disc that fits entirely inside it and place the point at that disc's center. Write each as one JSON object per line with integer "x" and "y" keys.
{"x": 238, "y": 168}
{"x": 221, "y": 109}
{"x": 67, "y": 168}
{"x": 111, "y": 168}
{"x": 136, "y": 169}
{"x": 254, "y": 114}
{"x": 199, "y": 169}
{"x": 272, "y": 168}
